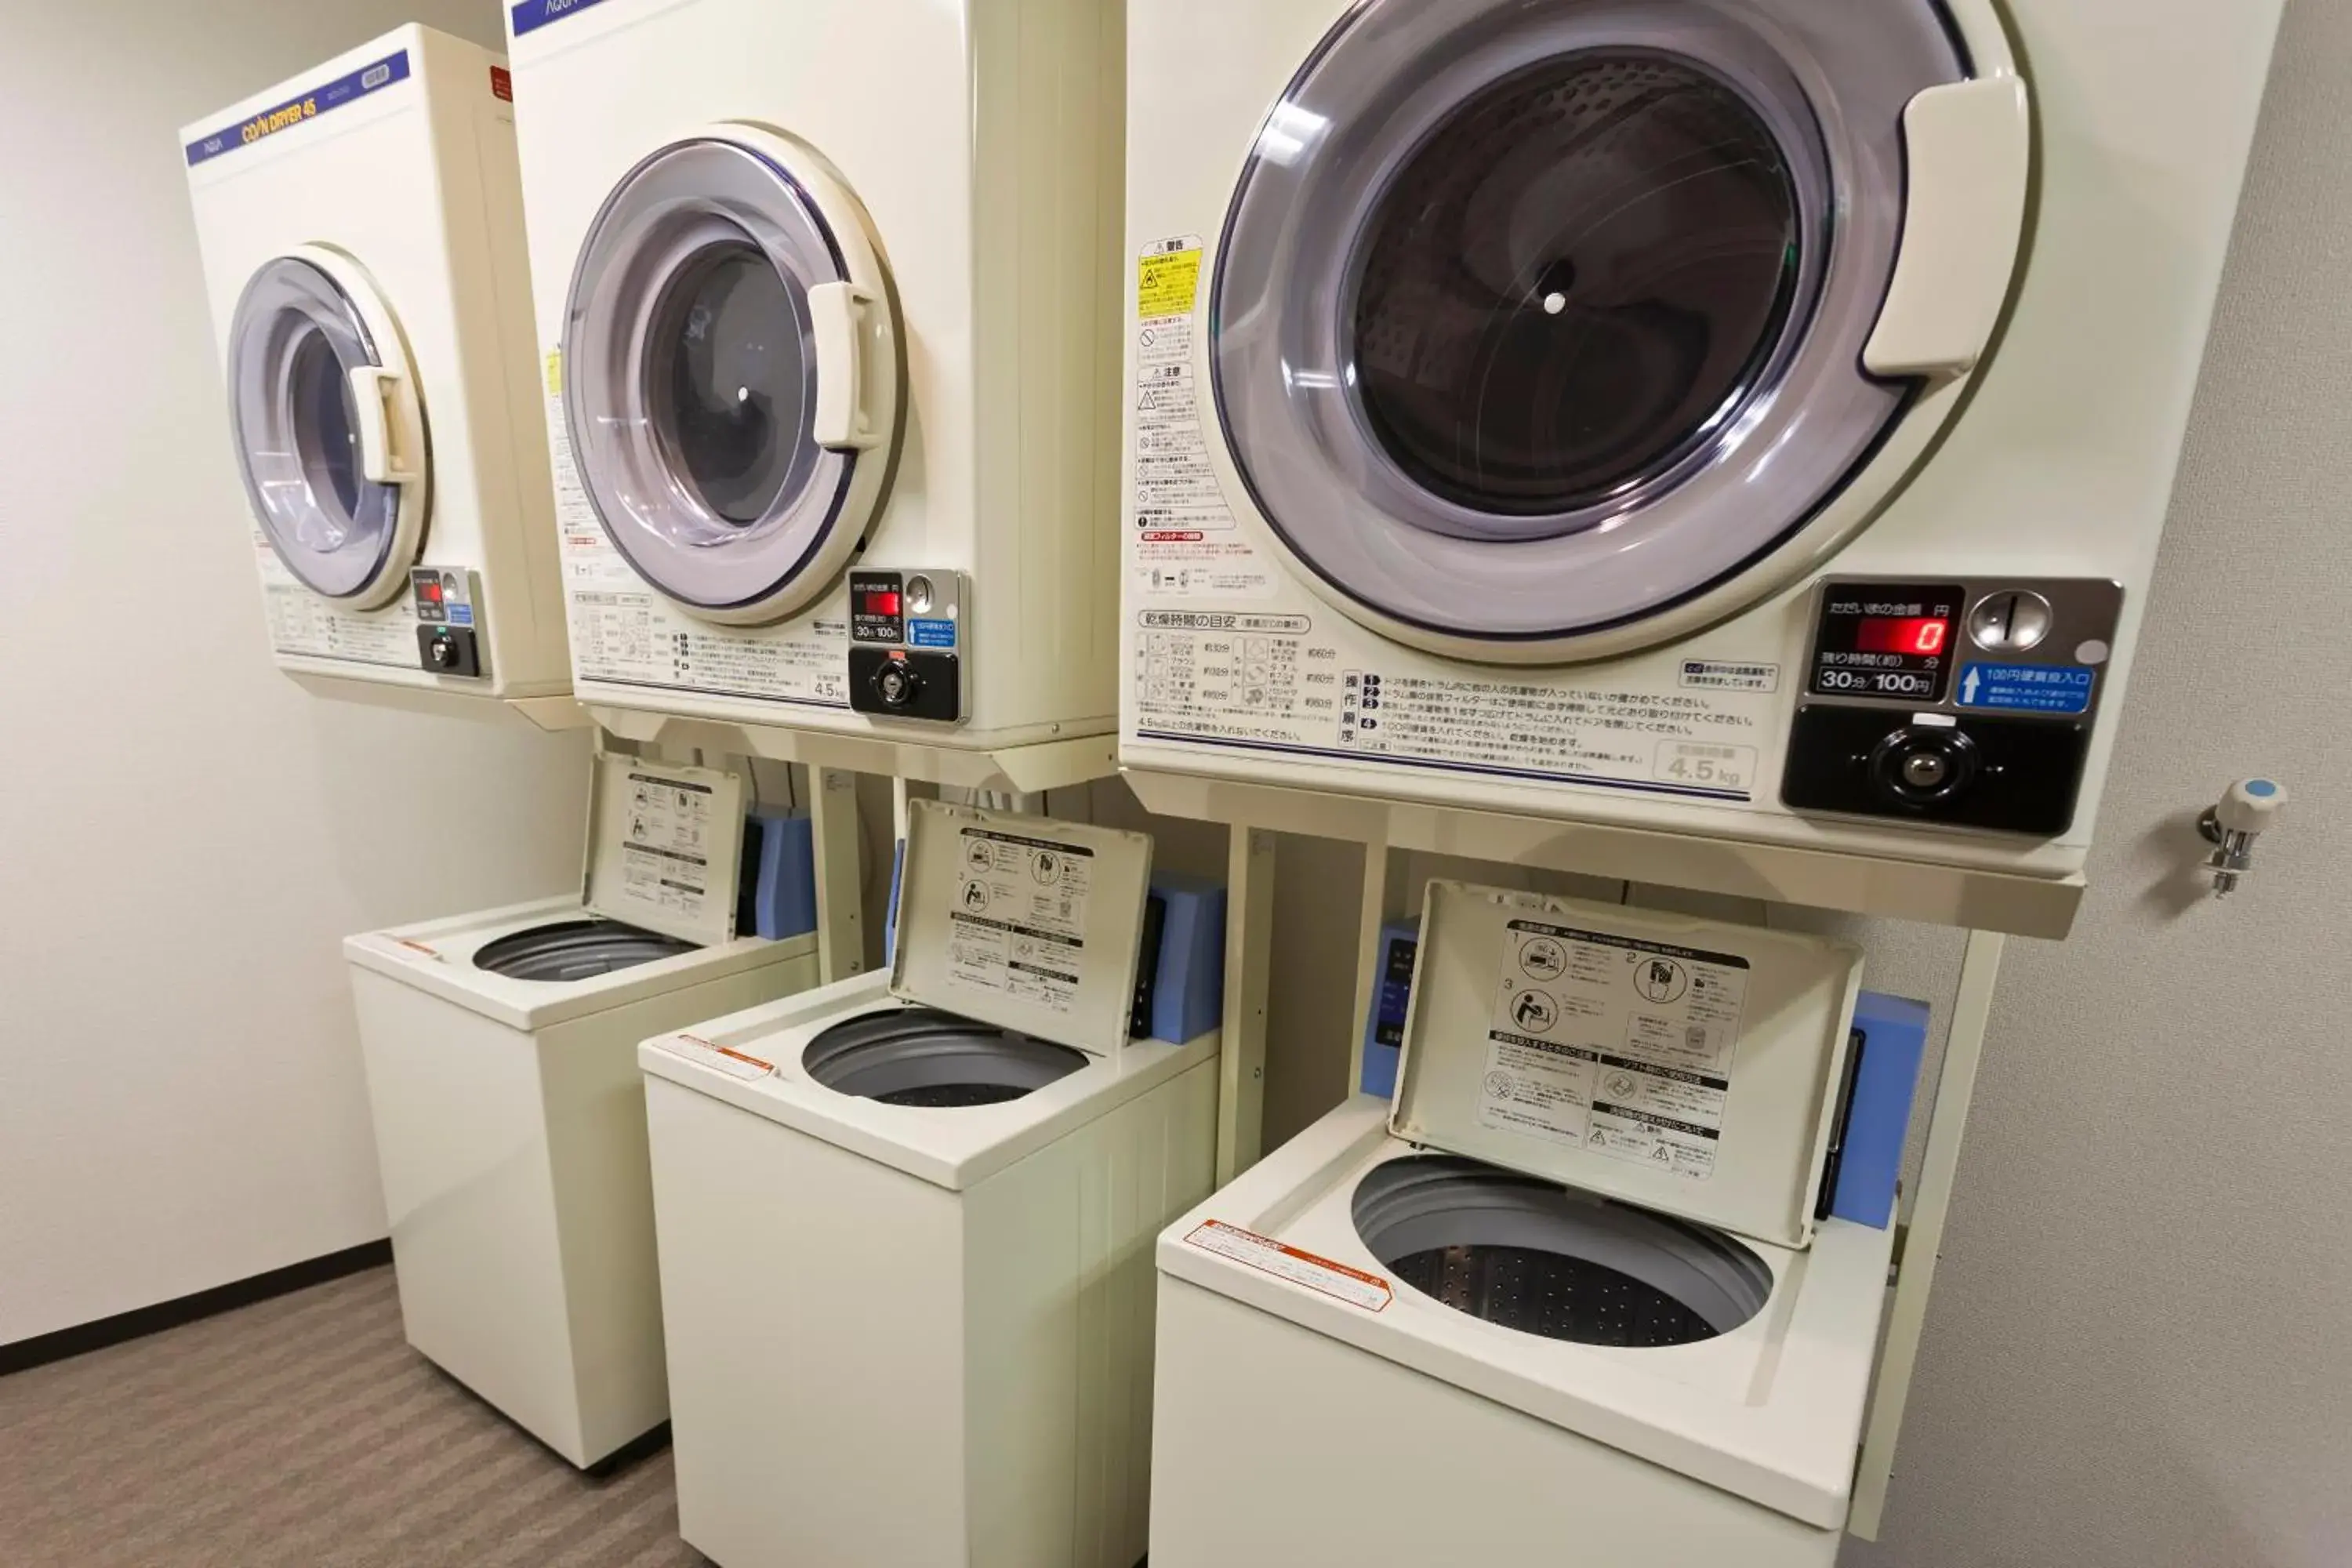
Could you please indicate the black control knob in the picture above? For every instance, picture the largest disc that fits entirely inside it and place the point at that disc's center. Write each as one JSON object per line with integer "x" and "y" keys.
{"x": 897, "y": 685}
{"x": 441, "y": 654}
{"x": 1920, "y": 765}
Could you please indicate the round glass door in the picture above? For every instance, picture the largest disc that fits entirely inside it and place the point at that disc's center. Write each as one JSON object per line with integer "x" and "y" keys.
{"x": 1531, "y": 321}
{"x": 730, "y": 374}
{"x": 309, "y": 375}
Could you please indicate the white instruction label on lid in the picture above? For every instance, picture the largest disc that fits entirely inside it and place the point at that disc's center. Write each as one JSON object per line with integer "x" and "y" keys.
{"x": 665, "y": 857}
{"x": 1352, "y": 1286}
{"x": 1621, "y": 1046}
{"x": 1018, "y": 921}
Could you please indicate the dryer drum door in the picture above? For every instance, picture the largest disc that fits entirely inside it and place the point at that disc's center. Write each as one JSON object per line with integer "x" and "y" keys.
{"x": 323, "y": 405}
{"x": 1532, "y": 321}
{"x": 731, "y": 371}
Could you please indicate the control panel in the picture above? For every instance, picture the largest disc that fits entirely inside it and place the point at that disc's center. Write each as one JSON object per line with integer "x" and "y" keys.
{"x": 906, "y": 631}
{"x": 1967, "y": 703}
{"x": 448, "y": 626}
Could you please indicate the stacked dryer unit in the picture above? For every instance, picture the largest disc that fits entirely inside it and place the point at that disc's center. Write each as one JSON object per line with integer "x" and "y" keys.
{"x": 906, "y": 1233}
{"x": 828, "y": 311}
{"x": 509, "y": 1114}
{"x": 1745, "y": 420}
{"x": 363, "y": 238}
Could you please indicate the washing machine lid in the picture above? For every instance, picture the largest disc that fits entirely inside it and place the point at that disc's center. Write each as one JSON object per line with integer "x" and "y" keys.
{"x": 1531, "y": 323}
{"x": 329, "y": 426}
{"x": 1024, "y": 922}
{"x": 665, "y": 848}
{"x": 731, "y": 372}
{"x": 1685, "y": 1065}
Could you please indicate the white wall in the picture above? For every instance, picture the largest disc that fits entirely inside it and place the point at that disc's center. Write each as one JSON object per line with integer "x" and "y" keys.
{"x": 2140, "y": 1348}
{"x": 184, "y": 835}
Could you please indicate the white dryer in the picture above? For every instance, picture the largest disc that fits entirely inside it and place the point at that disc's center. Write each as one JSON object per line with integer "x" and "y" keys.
{"x": 509, "y": 1115}
{"x": 1568, "y": 1299}
{"x": 1748, "y": 418}
{"x": 361, "y": 231}
{"x": 828, "y": 298}
{"x": 906, "y": 1233}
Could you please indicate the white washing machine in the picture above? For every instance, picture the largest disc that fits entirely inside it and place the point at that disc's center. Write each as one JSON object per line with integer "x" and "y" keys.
{"x": 827, "y": 292}
{"x": 1748, "y": 418}
{"x": 509, "y": 1114}
{"x": 906, "y": 1233}
{"x": 361, "y": 231}
{"x": 1568, "y": 1299}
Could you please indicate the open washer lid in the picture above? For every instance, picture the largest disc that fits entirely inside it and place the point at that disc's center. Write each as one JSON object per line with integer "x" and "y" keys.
{"x": 1024, "y": 922}
{"x": 1685, "y": 1065}
{"x": 665, "y": 845}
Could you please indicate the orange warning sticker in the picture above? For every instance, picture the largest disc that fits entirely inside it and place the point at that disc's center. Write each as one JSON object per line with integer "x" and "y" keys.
{"x": 1352, "y": 1286}
{"x": 726, "y": 1058}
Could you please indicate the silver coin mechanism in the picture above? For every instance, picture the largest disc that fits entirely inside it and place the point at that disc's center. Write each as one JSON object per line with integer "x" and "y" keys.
{"x": 1925, "y": 769}
{"x": 2009, "y": 621}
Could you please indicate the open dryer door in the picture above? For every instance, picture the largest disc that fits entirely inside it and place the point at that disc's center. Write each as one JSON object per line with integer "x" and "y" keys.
{"x": 330, "y": 437}
{"x": 732, "y": 364}
{"x": 1544, "y": 332}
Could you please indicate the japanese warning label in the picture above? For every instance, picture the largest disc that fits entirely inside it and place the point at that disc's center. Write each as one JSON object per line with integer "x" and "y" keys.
{"x": 1019, "y": 919}
{"x": 666, "y": 855}
{"x": 1279, "y": 682}
{"x": 301, "y": 622}
{"x": 623, "y": 632}
{"x": 1621, "y": 1046}
{"x": 1183, "y": 541}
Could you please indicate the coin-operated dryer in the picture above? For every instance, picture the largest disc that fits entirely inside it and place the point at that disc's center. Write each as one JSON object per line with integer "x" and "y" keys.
{"x": 1751, "y": 420}
{"x": 1603, "y": 1281}
{"x": 827, "y": 297}
{"x": 363, "y": 240}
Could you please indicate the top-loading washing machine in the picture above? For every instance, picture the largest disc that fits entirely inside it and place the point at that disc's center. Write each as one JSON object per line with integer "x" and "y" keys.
{"x": 1589, "y": 1289}
{"x": 906, "y": 1229}
{"x": 500, "y": 1047}
{"x": 362, "y": 240}
{"x": 827, "y": 296}
{"x": 1747, "y": 418}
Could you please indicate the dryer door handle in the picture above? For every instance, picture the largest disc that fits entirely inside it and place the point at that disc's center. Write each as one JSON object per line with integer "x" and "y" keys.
{"x": 840, "y": 314}
{"x": 1968, "y": 155}
{"x": 386, "y": 457}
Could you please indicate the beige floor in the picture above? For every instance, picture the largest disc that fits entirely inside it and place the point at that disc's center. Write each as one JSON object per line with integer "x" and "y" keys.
{"x": 300, "y": 1431}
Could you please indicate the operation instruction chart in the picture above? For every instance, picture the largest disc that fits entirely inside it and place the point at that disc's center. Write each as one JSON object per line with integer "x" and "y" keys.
{"x": 1619, "y": 1047}
{"x": 1018, "y": 921}
{"x": 666, "y": 852}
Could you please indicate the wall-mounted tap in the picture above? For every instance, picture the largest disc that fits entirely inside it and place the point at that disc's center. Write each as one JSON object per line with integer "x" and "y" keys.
{"x": 2231, "y": 824}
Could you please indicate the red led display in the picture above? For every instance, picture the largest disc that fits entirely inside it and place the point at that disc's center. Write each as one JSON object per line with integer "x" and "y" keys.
{"x": 882, "y": 604}
{"x": 1914, "y": 635}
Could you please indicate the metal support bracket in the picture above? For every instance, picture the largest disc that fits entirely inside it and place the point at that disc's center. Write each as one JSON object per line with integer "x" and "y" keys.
{"x": 840, "y": 903}
{"x": 1921, "y": 1238}
{"x": 1249, "y": 964}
